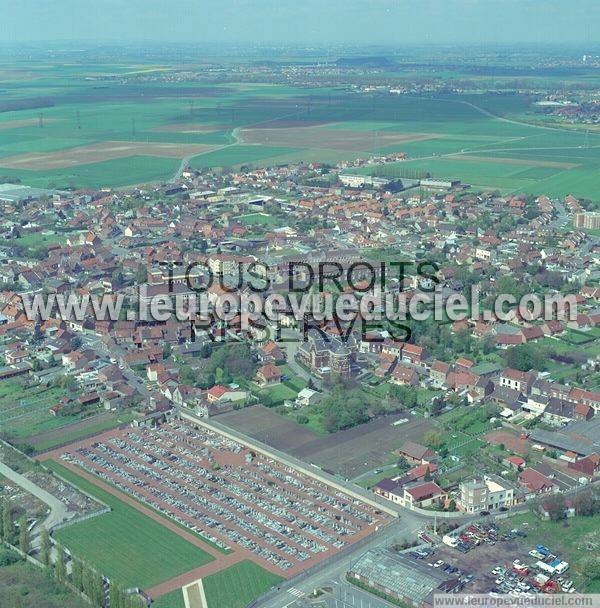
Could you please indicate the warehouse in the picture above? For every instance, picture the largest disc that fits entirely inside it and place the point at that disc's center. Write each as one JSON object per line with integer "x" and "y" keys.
{"x": 401, "y": 577}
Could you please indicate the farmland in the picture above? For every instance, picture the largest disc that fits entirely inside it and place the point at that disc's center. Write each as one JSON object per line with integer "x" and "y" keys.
{"x": 26, "y": 419}
{"x": 102, "y": 130}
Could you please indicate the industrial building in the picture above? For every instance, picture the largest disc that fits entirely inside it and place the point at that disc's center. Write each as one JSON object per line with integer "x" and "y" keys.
{"x": 401, "y": 577}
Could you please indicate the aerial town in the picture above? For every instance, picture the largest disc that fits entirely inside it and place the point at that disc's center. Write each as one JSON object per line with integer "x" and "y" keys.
{"x": 467, "y": 419}
{"x": 288, "y": 331}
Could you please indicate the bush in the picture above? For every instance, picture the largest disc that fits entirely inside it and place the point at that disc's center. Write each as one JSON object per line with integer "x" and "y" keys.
{"x": 8, "y": 557}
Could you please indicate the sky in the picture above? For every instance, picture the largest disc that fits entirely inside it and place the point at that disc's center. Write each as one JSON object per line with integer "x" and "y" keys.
{"x": 395, "y": 22}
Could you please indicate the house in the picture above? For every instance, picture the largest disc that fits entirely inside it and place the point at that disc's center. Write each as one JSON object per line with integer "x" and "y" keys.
{"x": 585, "y": 397}
{"x": 325, "y": 355}
{"x": 415, "y": 453}
{"x": 406, "y": 580}
{"x": 583, "y": 412}
{"x": 387, "y": 363}
{"x": 389, "y": 489}
{"x": 438, "y": 372}
{"x": 268, "y": 375}
{"x": 558, "y": 411}
{"x": 588, "y": 466}
{"x": 271, "y": 352}
{"x": 463, "y": 364}
{"x": 507, "y": 397}
{"x": 544, "y": 510}
{"x": 404, "y": 376}
{"x": 423, "y": 494}
{"x": 186, "y": 396}
{"x": 411, "y": 353}
{"x": 536, "y": 483}
{"x": 307, "y": 397}
{"x": 517, "y": 380}
{"x": 220, "y": 394}
{"x": 484, "y": 495}
{"x": 514, "y": 462}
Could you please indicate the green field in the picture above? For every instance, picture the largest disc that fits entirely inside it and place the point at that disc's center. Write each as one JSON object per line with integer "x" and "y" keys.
{"x": 170, "y": 600}
{"x": 25, "y": 416}
{"x": 487, "y": 140}
{"x": 573, "y": 540}
{"x": 24, "y": 410}
{"x": 125, "y": 544}
{"x": 238, "y": 585}
{"x": 258, "y": 219}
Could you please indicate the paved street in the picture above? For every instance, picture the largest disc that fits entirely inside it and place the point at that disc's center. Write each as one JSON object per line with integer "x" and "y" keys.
{"x": 333, "y": 574}
{"x": 58, "y": 510}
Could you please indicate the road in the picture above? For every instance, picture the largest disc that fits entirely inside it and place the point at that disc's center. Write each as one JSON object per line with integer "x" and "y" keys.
{"x": 58, "y": 510}
{"x": 332, "y": 573}
{"x": 95, "y": 343}
{"x": 235, "y": 134}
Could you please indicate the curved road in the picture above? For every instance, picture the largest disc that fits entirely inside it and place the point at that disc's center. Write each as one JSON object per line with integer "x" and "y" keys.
{"x": 58, "y": 510}
{"x": 235, "y": 133}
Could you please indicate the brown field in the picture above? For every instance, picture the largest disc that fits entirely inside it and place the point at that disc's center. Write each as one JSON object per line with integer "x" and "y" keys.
{"x": 282, "y": 123}
{"x": 190, "y": 127}
{"x": 511, "y": 441}
{"x": 349, "y": 453}
{"x": 99, "y": 152}
{"x": 515, "y": 161}
{"x": 24, "y": 122}
{"x": 327, "y": 139}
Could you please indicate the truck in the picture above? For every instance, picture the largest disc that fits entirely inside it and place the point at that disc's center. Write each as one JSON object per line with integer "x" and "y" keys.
{"x": 451, "y": 541}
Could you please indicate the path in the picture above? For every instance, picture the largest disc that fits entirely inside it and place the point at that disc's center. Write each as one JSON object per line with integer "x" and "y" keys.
{"x": 58, "y": 510}
{"x": 235, "y": 133}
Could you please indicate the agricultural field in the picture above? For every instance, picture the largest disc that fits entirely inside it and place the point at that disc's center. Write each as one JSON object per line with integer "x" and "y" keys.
{"x": 91, "y": 126}
{"x": 24, "y": 408}
{"x": 25, "y": 416}
{"x": 125, "y": 544}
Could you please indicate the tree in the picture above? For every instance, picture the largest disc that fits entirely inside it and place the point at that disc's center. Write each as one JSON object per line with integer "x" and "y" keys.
{"x": 23, "y": 535}
{"x": 8, "y": 524}
{"x": 402, "y": 464}
{"x": 433, "y": 439}
{"x": 117, "y": 596}
{"x": 77, "y": 574}
{"x": 555, "y": 506}
{"x": 527, "y": 356}
{"x": 585, "y": 503}
{"x": 45, "y": 547}
{"x": 60, "y": 568}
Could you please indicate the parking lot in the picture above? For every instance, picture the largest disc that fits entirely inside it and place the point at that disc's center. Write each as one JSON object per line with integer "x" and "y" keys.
{"x": 499, "y": 563}
{"x": 216, "y": 488}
